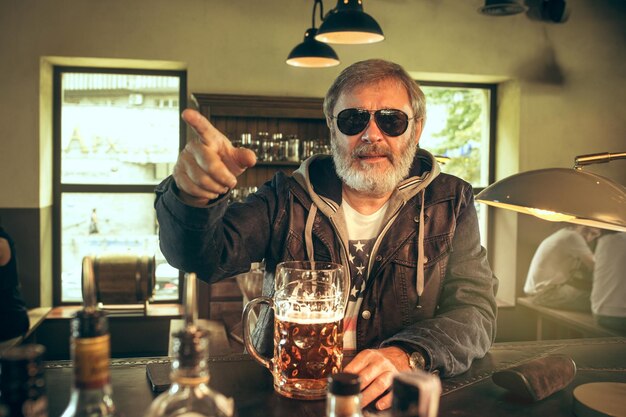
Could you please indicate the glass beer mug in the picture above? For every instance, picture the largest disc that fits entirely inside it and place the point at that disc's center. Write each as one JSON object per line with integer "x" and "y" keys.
{"x": 309, "y": 303}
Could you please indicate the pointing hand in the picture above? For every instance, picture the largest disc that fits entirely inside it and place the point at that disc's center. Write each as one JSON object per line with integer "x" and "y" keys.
{"x": 208, "y": 166}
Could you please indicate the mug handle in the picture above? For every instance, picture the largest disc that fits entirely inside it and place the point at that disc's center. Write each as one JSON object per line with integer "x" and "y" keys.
{"x": 246, "y": 330}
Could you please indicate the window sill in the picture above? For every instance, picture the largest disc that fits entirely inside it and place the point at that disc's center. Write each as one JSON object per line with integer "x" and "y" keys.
{"x": 122, "y": 310}
{"x": 504, "y": 304}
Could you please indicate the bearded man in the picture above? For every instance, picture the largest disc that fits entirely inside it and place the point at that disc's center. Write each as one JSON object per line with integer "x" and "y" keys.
{"x": 423, "y": 294}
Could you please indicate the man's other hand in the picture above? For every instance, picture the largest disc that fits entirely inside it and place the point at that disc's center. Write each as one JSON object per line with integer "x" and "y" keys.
{"x": 376, "y": 369}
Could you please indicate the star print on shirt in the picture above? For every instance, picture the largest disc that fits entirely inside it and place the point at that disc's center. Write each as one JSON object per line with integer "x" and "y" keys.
{"x": 359, "y": 258}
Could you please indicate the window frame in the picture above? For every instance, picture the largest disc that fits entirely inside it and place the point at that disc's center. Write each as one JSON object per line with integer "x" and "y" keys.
{"x": 493, "y": 117}
{"x": 59, "y": 189}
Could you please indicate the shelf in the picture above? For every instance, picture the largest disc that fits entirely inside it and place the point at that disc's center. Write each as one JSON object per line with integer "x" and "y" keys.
{"x": 278, "y": 163}
{"x": 232, "y": 105}
{"x": 234, "y": 115}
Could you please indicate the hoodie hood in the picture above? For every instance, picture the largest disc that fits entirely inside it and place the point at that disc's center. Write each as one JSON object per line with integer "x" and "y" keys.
{"x": 318, "y": 176}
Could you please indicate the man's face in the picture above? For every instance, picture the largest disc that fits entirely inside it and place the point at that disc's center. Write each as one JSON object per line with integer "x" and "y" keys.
{"x": 370, "y": 161}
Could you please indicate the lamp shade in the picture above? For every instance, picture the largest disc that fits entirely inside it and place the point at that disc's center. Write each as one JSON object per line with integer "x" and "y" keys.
{"x": 347, "y": 23}
{"x": 502, "y": 8}
{"x": 561, "y": 194}
{"x": 312, "y": 53}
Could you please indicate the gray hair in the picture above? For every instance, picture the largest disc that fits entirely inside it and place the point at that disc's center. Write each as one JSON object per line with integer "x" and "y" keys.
{"x": 373, "y": 71}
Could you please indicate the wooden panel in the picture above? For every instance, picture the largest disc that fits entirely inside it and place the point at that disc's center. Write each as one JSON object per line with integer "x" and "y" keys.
{"x": 260, "y": 106}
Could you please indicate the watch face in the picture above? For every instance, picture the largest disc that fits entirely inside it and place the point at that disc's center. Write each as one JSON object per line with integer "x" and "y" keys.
{"x": 417, "y": 361}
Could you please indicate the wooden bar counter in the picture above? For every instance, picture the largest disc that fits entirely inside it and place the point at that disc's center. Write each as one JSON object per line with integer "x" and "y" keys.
{"x": 470, "y": 394}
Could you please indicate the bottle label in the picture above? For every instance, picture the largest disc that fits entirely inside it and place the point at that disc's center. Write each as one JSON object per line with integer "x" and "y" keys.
{"x": 91, "y": 361}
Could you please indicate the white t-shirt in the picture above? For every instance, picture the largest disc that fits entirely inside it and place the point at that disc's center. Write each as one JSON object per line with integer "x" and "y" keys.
{"x": 555, "y": 259}
{"x": 362, "y": 232}
{"x": 608, "y": 293}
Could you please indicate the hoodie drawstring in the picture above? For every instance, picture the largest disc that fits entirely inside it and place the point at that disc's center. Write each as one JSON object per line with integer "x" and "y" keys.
{"x": 308, "y": 232}
{"x": 420, "y": 254}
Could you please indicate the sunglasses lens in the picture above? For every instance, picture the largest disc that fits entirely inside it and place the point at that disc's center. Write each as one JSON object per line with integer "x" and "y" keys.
{"x": 392, "y": 122}
{"x": 352, "y": 121}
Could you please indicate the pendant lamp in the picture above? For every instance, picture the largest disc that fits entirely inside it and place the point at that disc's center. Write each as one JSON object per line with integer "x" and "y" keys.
{"x": 347, "y": 23}
{"x": 564, "y": 194}
{"x": 312, "y": 53}
{"x": 502, "y": 8}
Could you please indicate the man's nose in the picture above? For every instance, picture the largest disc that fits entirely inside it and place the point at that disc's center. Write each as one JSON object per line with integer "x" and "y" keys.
{"x": 372, "y": 133}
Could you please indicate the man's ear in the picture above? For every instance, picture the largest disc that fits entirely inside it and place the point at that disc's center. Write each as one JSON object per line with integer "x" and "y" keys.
{"x": 418, "y": 129}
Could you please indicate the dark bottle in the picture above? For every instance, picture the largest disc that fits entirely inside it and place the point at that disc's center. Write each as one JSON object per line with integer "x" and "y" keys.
{"x": 415, "y": 394}
{"x": 91, "y": 353}
{"x": 344, "y": 395}
{"x": 22, "y": 382}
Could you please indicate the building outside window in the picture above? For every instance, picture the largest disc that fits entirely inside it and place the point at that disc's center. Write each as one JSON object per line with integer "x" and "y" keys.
{"x": 117, "y": 134}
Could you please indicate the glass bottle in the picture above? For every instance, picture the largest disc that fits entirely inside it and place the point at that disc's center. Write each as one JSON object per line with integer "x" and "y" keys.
{"x": 189, "y": 394}
{"x": 264, "y": 145}
{"x": 90, "y": 346}
{"x": 415, "y": 394}
{"x": 22, "y": 383}
{"x": 92, "y": 395}
{"x": 293, "y": 153}
{"x": 344, "y": 395}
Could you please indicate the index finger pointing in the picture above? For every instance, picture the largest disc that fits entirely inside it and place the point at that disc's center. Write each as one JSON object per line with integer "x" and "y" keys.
{"x": 206, "y": 132}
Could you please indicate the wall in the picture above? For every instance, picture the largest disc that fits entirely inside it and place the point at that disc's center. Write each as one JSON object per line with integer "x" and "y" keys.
{"x": 567, "y": 81}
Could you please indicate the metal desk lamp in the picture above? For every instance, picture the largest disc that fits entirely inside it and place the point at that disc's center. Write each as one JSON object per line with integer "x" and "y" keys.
{"x": 564, "y": 194}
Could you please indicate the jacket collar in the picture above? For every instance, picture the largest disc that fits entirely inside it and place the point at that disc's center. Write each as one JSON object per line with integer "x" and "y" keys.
{"x": 318, "y": 176}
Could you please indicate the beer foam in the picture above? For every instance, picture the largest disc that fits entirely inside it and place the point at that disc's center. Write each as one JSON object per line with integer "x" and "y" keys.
{"x": 317, "y": 317}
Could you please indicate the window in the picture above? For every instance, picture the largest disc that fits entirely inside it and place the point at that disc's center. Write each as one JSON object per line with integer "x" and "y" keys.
{"x": 460, "y": 131}
{"x": 117, "y": 133}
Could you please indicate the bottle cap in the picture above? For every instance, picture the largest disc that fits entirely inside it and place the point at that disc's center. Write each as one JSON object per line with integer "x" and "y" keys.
{"x": 344, "y": 383}
{"x": 89, "y": 323}
{"x": 190, "y": 347}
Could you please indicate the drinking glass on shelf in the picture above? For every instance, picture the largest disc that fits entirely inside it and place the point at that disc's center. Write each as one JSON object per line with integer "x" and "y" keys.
{"x": 239, "y": 194}
{"x": 264, "y": 146}
{"x": 293, "y": 148}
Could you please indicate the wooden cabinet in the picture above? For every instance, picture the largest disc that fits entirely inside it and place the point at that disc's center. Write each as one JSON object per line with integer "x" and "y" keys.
{"x": 237, "y": 114}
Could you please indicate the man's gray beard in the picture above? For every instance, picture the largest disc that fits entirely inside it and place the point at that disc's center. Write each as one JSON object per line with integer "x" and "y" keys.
{"x": 367, "y": 179}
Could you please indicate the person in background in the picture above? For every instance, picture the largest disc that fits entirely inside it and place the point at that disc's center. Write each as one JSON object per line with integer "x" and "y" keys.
{"x": 560, "y": 271}
{"x": 13, "y": 314}
{"x": 423, "y": 294}
{"x": 608, "y": 293}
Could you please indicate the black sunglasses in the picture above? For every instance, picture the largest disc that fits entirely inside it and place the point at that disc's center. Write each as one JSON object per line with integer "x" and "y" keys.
{"x": 391, "y": 122}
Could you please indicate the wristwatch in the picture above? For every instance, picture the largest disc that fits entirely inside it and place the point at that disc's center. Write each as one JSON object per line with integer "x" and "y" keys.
{"x": 417, "y": 361}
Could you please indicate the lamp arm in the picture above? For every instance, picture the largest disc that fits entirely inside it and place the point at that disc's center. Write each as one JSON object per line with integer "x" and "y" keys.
{"x": 597, "y": 158}
{"x": 321, "y": 12}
